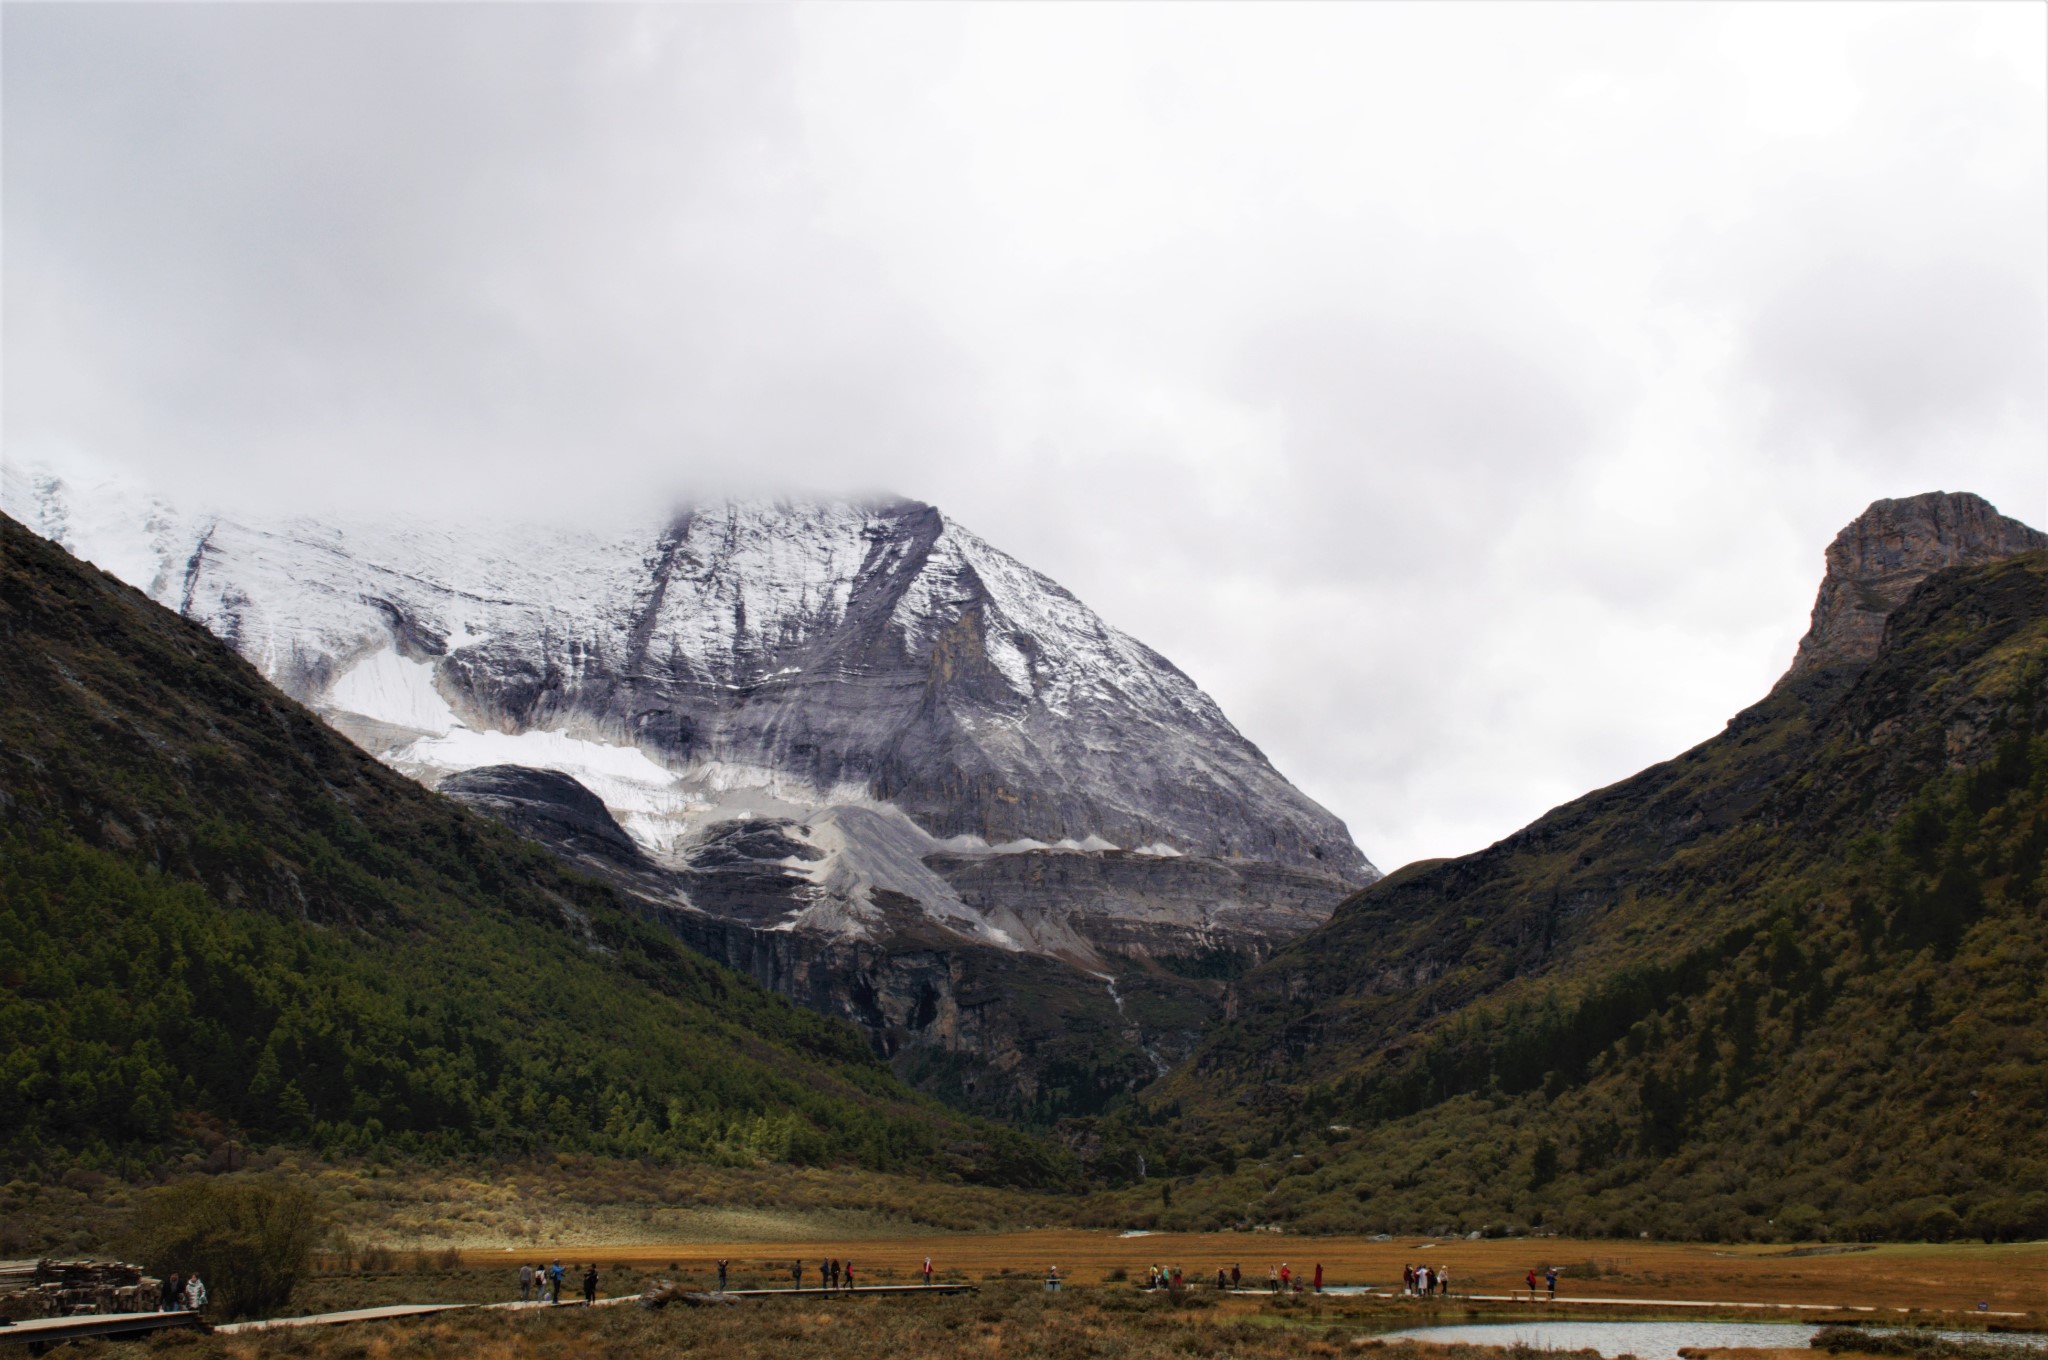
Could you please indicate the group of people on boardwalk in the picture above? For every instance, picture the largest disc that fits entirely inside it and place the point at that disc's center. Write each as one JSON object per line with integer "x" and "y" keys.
{"x": 543, "y": 1284}
{"x": 1163, "y": 1277}
{"x": 833, "y": 1273}
{"x": 1423, "y": 1281}
{"x": 1280, "y": 1279}
{"x": 183, "y": 1292}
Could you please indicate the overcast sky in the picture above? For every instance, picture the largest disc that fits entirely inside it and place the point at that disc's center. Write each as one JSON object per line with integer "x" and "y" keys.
{"x": 1463, "y": 394}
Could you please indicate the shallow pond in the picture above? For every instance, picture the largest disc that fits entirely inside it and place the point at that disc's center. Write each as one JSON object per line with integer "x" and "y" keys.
{"x": 1651, "y": 1340}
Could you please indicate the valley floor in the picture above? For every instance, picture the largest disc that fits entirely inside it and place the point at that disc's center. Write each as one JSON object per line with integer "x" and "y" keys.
{"x": 1007, "y": 1319}
{"x": 1896, "y": 1283}
{"x": 1951, "y": 1277}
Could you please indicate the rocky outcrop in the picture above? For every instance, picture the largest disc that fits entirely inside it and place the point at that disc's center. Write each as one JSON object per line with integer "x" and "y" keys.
{"x": 1881, "y": 555}
{"x": 1122, "y": 905}
{"x": 548, "y": 807}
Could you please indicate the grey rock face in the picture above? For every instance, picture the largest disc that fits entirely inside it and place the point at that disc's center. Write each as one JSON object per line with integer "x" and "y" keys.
{"x": 1882, "y": 554}
{"x": 1001, "y": 1031}
{"x": 1139, "y": 906}
{"x": 548, "y": 807}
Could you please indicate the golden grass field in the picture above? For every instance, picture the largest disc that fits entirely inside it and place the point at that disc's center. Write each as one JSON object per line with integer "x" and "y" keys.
{"x": 2011, "y": 1278}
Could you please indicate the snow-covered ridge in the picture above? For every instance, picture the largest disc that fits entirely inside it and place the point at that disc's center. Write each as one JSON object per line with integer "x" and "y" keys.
{"x": 748, "y": 658}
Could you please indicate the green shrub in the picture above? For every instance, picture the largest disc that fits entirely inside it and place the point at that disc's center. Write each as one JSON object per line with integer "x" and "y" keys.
{"x": 250, "y": 1240}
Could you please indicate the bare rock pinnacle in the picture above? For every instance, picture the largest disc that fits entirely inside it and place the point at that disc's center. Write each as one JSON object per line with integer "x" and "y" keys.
{"x": 1877, "y": 560}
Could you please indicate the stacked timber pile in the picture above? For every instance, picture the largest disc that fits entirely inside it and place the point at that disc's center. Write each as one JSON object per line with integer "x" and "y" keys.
{"x": 46, "y": 1289}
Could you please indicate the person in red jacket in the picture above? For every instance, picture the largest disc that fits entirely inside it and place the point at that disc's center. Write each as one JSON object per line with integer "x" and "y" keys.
{"x": 1319, "y": 1277}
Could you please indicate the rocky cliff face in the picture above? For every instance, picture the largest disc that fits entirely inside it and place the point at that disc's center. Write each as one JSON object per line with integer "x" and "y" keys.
{"x": 856, "y": 726}
{"x": 1881, "y": 555}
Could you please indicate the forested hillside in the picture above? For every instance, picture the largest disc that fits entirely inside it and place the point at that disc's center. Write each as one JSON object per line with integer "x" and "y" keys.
{"x": 1788, "y": 984}
{"x": 217, "y": 914}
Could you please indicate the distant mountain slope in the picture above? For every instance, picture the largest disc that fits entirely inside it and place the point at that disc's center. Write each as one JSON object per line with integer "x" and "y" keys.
{"x": 862, "y": 754}
{"x": 216, "y": 912}
{"x": 1789, "y": 983}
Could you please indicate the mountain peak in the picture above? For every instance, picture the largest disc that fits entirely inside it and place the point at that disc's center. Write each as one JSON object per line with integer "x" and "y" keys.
{"x": 732, "y": 655}
{"x": 1882, "y": 554}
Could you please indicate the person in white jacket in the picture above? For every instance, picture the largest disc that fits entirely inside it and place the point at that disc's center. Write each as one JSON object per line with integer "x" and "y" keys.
{"x": 195, "y": 1294}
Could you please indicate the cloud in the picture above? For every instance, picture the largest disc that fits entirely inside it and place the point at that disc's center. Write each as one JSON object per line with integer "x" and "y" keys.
{"x": 1886, "y": 279}
{"x": 1462, "y": 394}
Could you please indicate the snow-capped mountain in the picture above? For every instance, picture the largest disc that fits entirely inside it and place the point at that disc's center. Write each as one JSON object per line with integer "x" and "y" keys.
{"x": 906, "y": 706}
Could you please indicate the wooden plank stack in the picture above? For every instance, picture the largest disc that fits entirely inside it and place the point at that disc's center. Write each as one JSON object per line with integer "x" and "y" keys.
{"x": 48, "y": 1289}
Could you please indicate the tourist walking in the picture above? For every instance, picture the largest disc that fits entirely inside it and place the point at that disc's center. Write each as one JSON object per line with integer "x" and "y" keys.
{"x": 1235, "y": 1278}
{"x": 1273, "y": 1279}
{"x": 721, "y": 1275}
{"x": 1550, "y": 1278}
{"x": 590, "y": 1284}
{"x": 195, "y": 1294}
{"x": 1532, "y": 1284}
{"x": 555, "y": 1281}
{"x": 846, "y": 1275}
{"x": 525, "y": 1283}
{"x": 1319, "y": 1277}
{"x": 1052, "y": 1279}
{"x": 796, "y": 1273}
{"x": 172, "y": 1296}
{"x": 927, "y": 1272}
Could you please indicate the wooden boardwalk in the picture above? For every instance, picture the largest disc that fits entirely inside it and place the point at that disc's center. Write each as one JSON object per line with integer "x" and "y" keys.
{"x": 863, "y": 1289}
{"x": 390, "y": 1310}
{"x": 39, "y": 1334}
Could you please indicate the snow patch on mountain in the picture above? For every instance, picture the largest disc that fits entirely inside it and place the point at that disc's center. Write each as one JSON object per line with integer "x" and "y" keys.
{"x": 646, "y": 799}
{"x": 393, "y": 689}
